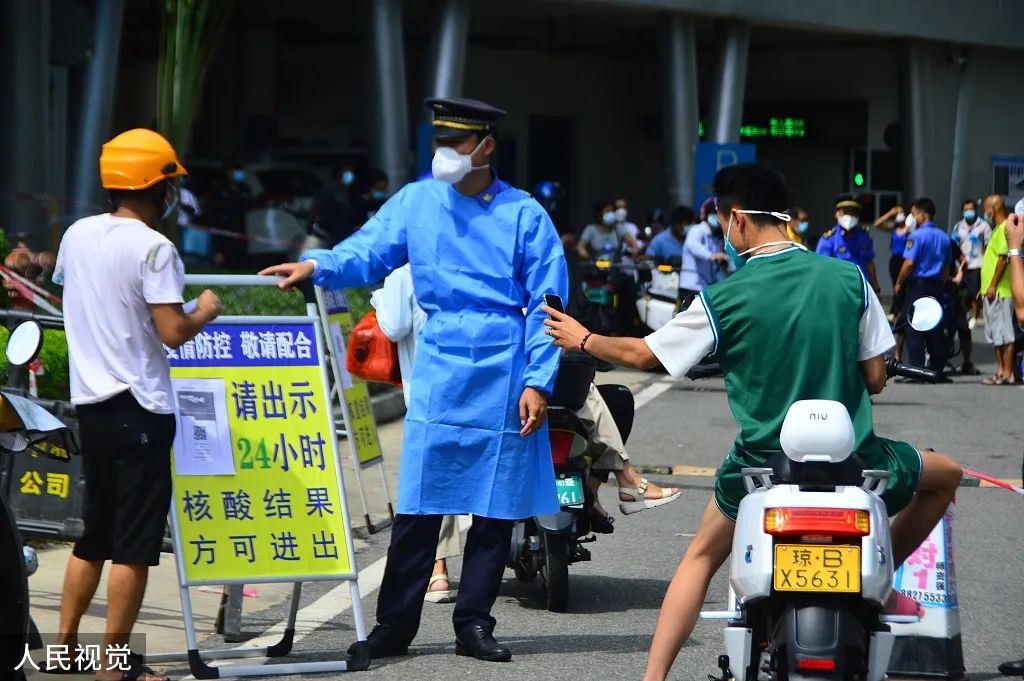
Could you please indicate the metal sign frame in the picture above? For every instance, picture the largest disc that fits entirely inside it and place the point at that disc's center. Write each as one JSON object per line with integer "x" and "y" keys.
{"x": 337, "y": 356}
{"x": 197, "y": 665}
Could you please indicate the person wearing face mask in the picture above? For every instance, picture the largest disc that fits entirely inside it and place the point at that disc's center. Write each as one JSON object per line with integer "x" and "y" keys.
{"x": 849, "y": 241}
{"x": 330, "y": 219}
{"x": 924, "y": 273}
{"x": 123, "y": 283}
{"x": 894, "y": 221}
{"x": 821, "y": 306}
{"x": 605, "y": 237}
{"x": 480, "y": 253}
{"x": 997, "y": 292}
{"x": 798, "y": 225}
{"x": 622, "y": 219}
{"x": 667, "y": 247}
{"x": 229, "y": 208}
{"x": 704, "y": 261}
{"x": 972, "y": 235}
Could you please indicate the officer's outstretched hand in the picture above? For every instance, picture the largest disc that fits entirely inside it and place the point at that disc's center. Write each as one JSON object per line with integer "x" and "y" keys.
{"x": 533, "y": 409}
{"x": 293, "y": 273}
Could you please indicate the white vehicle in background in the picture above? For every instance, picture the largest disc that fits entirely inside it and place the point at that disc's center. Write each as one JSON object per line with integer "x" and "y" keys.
{"x": 282, "y": 198}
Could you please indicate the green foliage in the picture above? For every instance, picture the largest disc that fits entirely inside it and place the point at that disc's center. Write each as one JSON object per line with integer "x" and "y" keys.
{"x": 55, "y": 384}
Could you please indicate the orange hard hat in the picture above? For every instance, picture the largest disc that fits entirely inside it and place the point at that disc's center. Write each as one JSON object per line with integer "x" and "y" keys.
{"x": 138, "y": 159}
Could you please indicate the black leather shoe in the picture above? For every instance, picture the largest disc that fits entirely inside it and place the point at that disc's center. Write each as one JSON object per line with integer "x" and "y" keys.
{"x": 1015, "y": 668}
{"x": 479, "y": 643}
{"x": 383, "y": 641}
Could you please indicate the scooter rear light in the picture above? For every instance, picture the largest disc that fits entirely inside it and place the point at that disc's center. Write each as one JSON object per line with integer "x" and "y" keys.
{"x": 561, "y": 446}
{"x": 820, "y": 665}
{"x": 836, "y": 522}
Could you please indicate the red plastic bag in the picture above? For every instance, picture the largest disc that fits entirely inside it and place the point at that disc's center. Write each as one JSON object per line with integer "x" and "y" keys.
{"x": 371, "y": 355}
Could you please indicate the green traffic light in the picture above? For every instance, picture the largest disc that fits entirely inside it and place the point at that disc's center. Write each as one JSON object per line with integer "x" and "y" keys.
{"x": 858, "y": 179}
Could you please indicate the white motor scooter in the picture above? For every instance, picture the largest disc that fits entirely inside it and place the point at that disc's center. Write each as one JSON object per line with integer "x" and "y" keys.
{"x": 811, "y": 565}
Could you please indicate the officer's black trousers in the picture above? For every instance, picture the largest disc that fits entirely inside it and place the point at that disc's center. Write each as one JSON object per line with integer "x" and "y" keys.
{"x": 933, "y": 340}
{"x": 411, "y": 561}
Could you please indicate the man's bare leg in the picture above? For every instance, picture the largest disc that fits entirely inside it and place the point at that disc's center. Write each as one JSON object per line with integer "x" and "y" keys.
{"x": 940, "y": 476}
{"x": 81, "y": 579}
{"x": 125, "y": 588}
{"x": 685, "y": 595}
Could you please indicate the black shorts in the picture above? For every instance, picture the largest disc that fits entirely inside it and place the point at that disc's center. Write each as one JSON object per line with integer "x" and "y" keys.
{"x": 126, "y": 459}
{"x": 972, "y": 283}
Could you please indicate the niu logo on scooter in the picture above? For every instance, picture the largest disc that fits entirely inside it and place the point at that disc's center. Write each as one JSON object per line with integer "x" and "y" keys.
{"x": 817, "y": 417}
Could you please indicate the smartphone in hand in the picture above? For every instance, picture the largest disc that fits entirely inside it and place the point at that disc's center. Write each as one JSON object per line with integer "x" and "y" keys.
{"x": 554, "y": 302}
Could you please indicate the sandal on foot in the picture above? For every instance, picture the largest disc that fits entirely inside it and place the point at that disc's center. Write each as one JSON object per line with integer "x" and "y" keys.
{"x": 638, "y": 502}
{"x": 995, "y": 380}
{"x": 602, "y": 524}
{"x": 441, "y": 595}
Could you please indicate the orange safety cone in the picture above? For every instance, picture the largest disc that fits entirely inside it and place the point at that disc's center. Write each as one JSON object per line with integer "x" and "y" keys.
{"x": 932, "y": 647}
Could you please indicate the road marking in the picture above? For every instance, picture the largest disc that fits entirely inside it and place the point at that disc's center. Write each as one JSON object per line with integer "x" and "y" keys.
{"x": 652, "y": 391}
{"x": 695, "y": 471}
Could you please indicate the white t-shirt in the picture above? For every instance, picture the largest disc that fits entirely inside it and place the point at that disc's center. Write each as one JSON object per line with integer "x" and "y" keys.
{"x": 112, "y": 269}
{"x": 688, "y": 337}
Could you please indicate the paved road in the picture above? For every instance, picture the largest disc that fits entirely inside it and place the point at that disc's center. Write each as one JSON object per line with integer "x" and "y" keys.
{"x": 616, "y": 597}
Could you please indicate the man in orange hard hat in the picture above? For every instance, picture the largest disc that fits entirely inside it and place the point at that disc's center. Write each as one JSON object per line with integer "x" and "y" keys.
{"x": 123, "y": 284}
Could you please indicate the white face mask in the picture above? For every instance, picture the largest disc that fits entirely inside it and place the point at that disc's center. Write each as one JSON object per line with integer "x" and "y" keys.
{"x": 608, "y": 218}
{"x": 910, "y": 222}
{"x": 901, "y": 216}
{"x": 775, "y": 214}
{"x": 450, "y": 166}
{"x": 620, "y": 214}
{"x": 848, "y": 222}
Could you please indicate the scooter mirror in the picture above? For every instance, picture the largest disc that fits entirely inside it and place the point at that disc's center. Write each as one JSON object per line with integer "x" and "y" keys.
{"x": 24, "y": 343}
{"x": 926, "y": 315}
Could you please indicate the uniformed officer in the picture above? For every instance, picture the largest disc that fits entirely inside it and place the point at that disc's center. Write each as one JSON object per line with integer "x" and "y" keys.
{"x": 924, "y": 272}
{"x": 850, "y": 241}
{"x": 475, "y": 442}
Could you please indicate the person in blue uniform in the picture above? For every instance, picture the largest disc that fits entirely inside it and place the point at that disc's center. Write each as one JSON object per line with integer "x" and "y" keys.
{"x": 848, "y": 240}
{"x": 925, "y": 270}
{"x": 475, "y": 440}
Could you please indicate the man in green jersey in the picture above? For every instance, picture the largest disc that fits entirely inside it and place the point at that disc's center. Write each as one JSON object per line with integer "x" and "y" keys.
{"x": 823, "y": 306}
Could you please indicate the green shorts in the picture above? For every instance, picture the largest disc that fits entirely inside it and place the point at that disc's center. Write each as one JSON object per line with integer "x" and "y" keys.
{"x": 902, "y": 460}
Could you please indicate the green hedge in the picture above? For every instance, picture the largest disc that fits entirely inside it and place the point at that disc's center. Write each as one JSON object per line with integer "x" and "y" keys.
{"x": 55, "y": 383}
{"x": 249, "y": 300}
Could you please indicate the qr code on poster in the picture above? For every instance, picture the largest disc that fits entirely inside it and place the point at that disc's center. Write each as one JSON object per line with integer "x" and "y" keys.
{"x": 198, "y": 433}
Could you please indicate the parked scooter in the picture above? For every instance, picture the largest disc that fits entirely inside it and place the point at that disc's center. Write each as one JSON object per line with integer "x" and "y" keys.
{"x": 24, "y": 425}
{"x": 811, "y": 565}
{"x": 547, "y": 545}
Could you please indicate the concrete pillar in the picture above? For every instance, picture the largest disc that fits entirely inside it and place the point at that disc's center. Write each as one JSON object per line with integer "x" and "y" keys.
{"x": 679, "y": 106}
{"x": 958, "y": 173}
{"x": 447, "y": 63}
{"x": 389, "y": 109}
{"x": 730, "y": 82}
{"x": 915, "y": 119}
{"x": 25, "y": 48}
{"x": 93, "y": 127}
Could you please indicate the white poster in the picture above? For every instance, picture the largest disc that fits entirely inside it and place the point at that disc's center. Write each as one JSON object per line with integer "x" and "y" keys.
{"x": 338, "y": 339}
{"x": 202, "y": 444}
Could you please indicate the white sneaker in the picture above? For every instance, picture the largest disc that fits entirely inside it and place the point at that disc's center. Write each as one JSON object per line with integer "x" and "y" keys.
{"x": 971, "y": 323}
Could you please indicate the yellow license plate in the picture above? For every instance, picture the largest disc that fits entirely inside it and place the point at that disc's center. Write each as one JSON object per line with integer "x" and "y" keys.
{"x": 814, "y": 567}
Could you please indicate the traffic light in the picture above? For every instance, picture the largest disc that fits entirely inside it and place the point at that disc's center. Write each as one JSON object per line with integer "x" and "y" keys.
{"x": 859, "y": 170}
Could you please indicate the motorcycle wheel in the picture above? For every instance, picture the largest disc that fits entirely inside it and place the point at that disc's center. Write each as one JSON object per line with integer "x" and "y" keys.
{"x": 555, "y": 571}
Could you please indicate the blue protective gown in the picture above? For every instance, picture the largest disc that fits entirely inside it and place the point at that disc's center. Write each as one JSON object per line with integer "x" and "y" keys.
{"x": 477, "y": 262}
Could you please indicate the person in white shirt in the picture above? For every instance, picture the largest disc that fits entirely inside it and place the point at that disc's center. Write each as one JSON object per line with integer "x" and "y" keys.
{"x": 123, "y": 284}
{"x": 401, "y": 319}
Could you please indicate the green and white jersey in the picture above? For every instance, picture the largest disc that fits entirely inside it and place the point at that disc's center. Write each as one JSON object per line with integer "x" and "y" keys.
{"x": 788, "y": 326}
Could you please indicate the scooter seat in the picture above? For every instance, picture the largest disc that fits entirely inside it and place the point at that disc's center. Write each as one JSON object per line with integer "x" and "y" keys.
{"x": 816, "y": 476}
